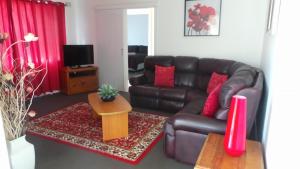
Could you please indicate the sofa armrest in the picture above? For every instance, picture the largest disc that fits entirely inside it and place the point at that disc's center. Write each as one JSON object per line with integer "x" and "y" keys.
{"x": 138, "y": 80}
{"x": 197, "y": 123}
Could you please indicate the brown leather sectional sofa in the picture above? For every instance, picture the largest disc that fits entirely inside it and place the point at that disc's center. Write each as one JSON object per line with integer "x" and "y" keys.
{"x": 186, "y": 131}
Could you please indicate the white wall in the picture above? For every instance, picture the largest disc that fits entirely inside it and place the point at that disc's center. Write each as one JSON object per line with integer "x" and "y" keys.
{"x": 267, "y": 65}
{"x": 281, "y": 51}
{"x": 241, "y": 34}
{"x": 137, "y": 26}
{"x": 71, "y": 28}
{"x": 80, "y": 22}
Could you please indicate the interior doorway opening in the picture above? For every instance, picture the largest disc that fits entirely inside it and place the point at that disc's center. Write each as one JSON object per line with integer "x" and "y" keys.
{"x": 140, "y": 39}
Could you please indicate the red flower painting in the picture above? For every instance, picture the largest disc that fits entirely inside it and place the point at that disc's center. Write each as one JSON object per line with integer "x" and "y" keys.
{"x": 200, "y": 18}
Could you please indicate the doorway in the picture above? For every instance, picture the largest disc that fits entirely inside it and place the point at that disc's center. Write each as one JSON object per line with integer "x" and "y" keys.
{"x": 112, "y": 43}
{"x": 140, "y": 39}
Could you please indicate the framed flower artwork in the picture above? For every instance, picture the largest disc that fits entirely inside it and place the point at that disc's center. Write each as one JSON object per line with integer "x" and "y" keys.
{"x": 202, "y": 17}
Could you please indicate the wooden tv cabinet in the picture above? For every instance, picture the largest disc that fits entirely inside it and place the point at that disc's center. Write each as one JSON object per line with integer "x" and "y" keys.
{"x": 79, "y": 80}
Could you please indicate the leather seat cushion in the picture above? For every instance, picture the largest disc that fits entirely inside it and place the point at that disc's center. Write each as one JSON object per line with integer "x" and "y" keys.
{"x": 174, "y": 94}
{"x": 193, "y": 107}
{"x": 144, "y": 90}
{"x": 193, "y": 94}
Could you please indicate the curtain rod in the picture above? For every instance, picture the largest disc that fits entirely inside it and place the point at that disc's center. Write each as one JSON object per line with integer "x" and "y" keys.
{"x": 67, "y": 4}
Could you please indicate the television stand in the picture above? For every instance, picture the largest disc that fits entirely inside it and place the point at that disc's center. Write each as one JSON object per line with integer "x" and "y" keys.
{"x": 80, "y": 66}
{"x": 79, "y": 80}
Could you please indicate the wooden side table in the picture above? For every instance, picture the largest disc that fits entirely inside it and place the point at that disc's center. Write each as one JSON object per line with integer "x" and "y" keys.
{"x": 213, "y": 155}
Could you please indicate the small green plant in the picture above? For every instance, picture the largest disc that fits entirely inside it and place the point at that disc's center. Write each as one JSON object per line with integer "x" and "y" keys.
{"x": 107, "y": 92}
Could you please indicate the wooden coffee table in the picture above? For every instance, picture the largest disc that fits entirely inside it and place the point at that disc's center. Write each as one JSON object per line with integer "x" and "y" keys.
{"x": 114, "y": 115}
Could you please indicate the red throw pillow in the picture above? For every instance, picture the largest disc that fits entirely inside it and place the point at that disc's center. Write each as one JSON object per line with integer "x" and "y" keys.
{"x": 212, "y": 102}
{"x": 164, "y": 76}
{"x": 215, "y": 80}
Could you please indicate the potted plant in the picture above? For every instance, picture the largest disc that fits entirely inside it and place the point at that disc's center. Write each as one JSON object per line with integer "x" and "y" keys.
{"x": 18, "y": 84}
{"x": 107, "y": 93}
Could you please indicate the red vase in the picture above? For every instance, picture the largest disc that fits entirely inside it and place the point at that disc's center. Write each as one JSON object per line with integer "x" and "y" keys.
{"x": 235, "y": 135}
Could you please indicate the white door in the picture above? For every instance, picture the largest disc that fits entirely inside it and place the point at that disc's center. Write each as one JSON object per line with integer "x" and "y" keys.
{"x": 112, "y": 47}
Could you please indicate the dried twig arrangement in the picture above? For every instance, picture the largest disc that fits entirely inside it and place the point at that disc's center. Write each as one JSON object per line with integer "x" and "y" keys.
{"x": 18, "y": 84}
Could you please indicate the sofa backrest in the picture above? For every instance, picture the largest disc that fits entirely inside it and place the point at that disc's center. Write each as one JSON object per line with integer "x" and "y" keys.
{"x": 189, "y": 71}
{"x": 185, "y": 71}
{"x": 243, "y": 76}
{"x": 150, "y": 63}
{"x": 206, "y": 66}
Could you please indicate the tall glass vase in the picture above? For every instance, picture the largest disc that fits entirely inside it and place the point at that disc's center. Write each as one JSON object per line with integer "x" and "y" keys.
{"x": 235, "y": 135}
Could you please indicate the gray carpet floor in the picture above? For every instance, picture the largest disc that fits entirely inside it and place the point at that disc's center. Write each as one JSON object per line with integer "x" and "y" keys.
{"x": 53, "y": 155}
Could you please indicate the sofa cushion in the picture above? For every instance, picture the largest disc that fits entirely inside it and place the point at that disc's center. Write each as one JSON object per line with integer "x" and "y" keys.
{"x": 193, "y": 94}
{"x": 186, "y": 68}
{"x": 164, "y": 76}
{"x": 212, "y": 102}
{"x": 239, "y": 80}
{"x": 151, "y": 61}
{"x": 208, "y": 66}
{"x": 238, "y": 67}
{"x": 202, "y": 81}
{"x": 215, "y": 80}
{"x": 145, "y": 102}
{"x": 185, "y": 79}
{"x": 170, "y": 105}
{"x": 144, "y": 90}
{"x": 175, "y": 94}
{"x": 186, "y": 64}
{"x": 193, "y": 107}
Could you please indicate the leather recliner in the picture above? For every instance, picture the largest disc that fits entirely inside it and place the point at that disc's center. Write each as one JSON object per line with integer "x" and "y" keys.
{"x": 186, "y": 131}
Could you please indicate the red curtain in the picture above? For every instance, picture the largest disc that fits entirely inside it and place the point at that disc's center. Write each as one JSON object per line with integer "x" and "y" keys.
{"x": 5, "y": 26}
{"x": 47, "y": 21}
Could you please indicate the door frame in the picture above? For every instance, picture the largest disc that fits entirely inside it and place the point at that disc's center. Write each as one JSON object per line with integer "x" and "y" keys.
{"x": 124, "y": 7}
{"x": 125, "y": 50}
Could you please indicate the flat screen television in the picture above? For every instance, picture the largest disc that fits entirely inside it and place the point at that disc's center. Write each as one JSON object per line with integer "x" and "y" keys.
{"x": 76, "y": 55}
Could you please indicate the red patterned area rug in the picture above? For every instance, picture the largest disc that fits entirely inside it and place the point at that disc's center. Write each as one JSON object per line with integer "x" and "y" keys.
{"x": 74, "y": 125}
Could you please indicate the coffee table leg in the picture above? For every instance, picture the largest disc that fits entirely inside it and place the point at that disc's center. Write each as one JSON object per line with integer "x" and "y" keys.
{"x": 114, "y": 126}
